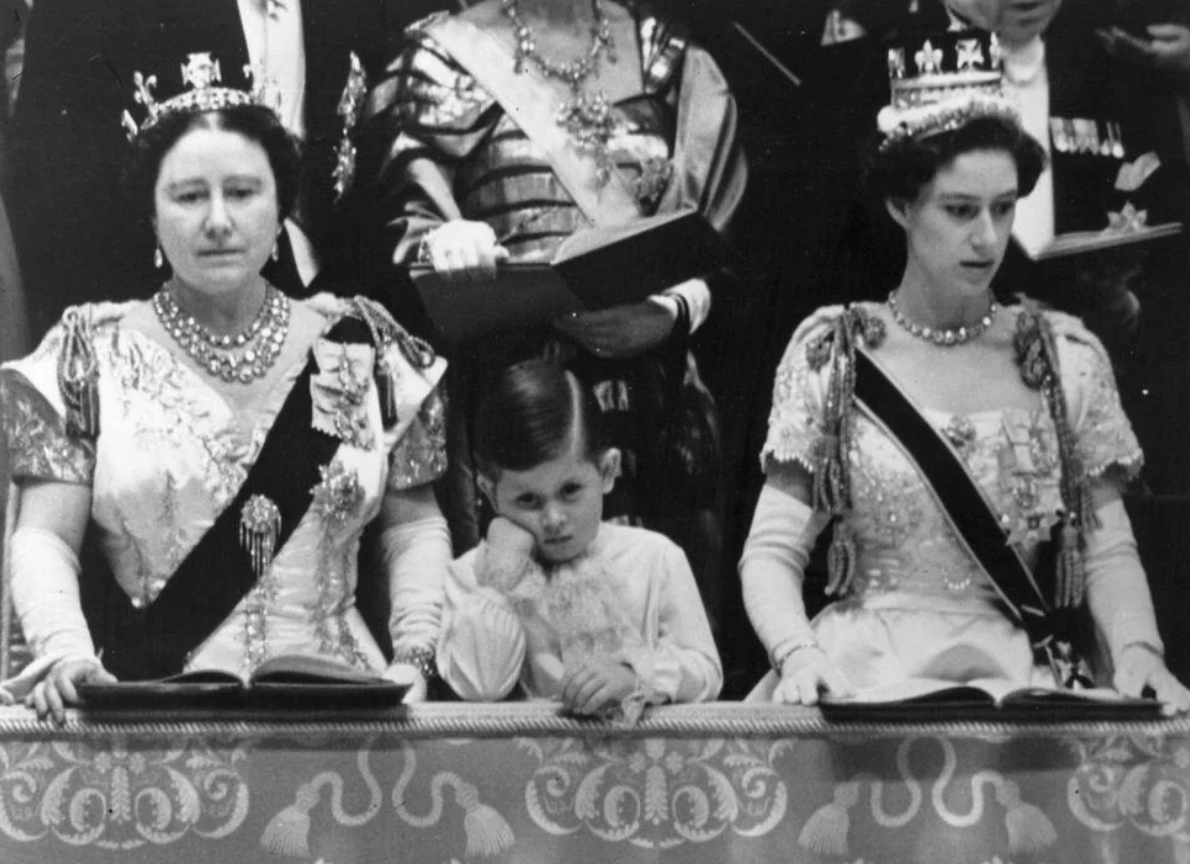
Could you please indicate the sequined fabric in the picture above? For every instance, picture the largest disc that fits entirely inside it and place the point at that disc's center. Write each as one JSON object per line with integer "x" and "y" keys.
{"x": 172, "y": 454}
{"x": 38, "y": 446}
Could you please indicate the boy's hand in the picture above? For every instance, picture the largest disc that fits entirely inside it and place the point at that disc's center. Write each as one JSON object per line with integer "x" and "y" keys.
{"x": 598, "y": 685}
{"x": 507, "y": 536}
{"x": 508, "y": 556}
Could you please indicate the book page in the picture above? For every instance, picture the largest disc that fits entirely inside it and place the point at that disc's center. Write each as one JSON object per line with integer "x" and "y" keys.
{"x": 587, "y": 240}
{"x": 299, "y": 668}
{"x": 1092, "y": 241}
{"x": 912, "y": 689}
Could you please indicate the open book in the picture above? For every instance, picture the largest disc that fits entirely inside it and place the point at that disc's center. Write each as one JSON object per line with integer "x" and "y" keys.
{"x": 922, "y": 699}
{"x": 592, "y": 269}
{"x": 296, "y": 681}
{"x": 1078, "y": 242}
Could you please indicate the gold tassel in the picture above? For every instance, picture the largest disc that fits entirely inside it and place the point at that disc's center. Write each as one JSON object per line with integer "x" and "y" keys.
{"x": 289, "y": 831}
{"x": 260, "y": 526}
{"x": 488, "y": 833}
{"x": 1029, "y": 830}
{"x": 826, "y": 831}
{"x": 78, "y": 376}
{"x": 386, "y": 390}
{"x": 1071, "y": 578}
{"x": 840, "y": 562}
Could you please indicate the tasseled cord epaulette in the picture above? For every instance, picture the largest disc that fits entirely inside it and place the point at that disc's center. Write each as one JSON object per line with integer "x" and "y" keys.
{"x": 1037, "y": 357}
{"x": 832, "y": 471}
{"x": 386, "y": 331}
{"x": 78, "y": 374}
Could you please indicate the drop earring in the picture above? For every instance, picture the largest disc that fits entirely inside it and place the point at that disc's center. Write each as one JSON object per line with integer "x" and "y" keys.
{"x": 276, "y": 253}
{"x": 158, "y": 257}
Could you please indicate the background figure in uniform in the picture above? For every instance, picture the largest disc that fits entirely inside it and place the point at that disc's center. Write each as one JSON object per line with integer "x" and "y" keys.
{"x": 78, "y": 237}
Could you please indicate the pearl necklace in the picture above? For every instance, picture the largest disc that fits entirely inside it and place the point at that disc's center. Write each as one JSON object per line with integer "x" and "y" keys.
{"x": 586, "y": 117}
{"x": 948, "y": 337}
{"x": 221, "y": 355}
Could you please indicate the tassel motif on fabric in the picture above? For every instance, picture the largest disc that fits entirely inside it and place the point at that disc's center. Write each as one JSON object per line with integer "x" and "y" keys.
{"x": 1029, "y": 829}
{"x": 488, "y": 833}
{"x": 260, "y": 525}
{"x": 288, "y": 833}
{"x": 78, "y": 375}
{"x": 825, "y": 832}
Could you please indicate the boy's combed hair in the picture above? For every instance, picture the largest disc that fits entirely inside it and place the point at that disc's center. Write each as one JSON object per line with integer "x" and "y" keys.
{"x": 528, "y": 414}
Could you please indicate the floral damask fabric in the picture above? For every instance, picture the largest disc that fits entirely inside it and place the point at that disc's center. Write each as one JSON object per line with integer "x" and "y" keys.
{"x": 172, "y": 453}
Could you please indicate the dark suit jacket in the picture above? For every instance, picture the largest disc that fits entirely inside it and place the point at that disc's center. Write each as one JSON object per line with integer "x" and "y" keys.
{"x": 78, "y": 234}
{"x": 861, "y": 254}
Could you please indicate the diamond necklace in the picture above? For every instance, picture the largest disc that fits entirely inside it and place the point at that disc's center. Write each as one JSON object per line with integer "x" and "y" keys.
{"x": 943, "y": 337}
{"x": 244, "y": 357}
{"x": 586, "y": 117}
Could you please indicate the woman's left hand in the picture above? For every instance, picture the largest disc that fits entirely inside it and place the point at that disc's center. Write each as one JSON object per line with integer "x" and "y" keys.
{"x": 620, "y": 331}
{"x": 1140, "y": 667}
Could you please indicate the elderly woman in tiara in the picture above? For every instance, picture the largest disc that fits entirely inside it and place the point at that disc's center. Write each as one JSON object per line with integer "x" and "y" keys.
{"x": 224, "y": 445}
{"x": 970, "y": 457}
{"x": 504, "y": 129}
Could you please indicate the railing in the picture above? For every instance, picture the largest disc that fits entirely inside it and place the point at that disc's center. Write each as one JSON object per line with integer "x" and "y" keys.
{"x": 465, "y": 783}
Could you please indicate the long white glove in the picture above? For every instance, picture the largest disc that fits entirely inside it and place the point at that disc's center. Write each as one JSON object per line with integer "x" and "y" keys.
{"x": 772, "y": 569}
{"x": 45, "y": 593}
{"x": 1120, "y": 602}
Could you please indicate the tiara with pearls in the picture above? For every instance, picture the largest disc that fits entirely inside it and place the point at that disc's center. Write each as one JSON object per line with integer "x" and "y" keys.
{"x": 200, "y": 73}
{"x": 958, "y": 78}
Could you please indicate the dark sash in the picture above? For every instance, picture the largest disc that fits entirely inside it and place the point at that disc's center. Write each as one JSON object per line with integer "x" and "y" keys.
{"x": 153, "y": 642}
{"x": 1050, "y": 631}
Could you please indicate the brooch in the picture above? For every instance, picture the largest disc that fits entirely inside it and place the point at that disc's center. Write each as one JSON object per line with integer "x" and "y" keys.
{"x": 339, "y": 392}
{"x": 351, "y": 107}
{"x": 260, "y": 526}
{"x": 338, "y": 495}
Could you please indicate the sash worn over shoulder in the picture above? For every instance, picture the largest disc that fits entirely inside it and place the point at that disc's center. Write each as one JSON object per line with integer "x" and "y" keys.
{"x": 153, "y": 642}
{"x": 1050, "y": 630}
{"x": 533, "y": 107}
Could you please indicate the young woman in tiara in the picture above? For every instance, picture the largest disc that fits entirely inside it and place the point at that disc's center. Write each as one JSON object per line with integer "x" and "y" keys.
{"x": 468, "y": 180}
{"x": 226, "y": 445}
{"x": 970, "y": 457}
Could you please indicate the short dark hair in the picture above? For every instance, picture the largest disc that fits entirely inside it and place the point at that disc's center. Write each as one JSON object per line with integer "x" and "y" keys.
{"x": 255, "y": 122}
{"x": 528, "y": 415}
{"x": 902, "y": 169}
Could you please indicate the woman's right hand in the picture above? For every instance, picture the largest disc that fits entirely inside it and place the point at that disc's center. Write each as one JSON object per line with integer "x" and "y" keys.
{"x": 59, "y": 688}
{"x": 464, "y": 251}
{"x": 806, "y": 673}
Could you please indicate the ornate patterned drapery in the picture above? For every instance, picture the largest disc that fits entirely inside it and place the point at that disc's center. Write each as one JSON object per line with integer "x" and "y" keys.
{"x": 461, "y": 784}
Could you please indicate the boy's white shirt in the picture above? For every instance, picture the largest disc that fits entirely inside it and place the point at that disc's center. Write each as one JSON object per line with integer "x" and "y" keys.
{"x": 493, "y": 639}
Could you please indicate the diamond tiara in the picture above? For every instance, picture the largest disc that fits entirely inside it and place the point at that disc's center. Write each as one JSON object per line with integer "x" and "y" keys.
{"x": 201, "y": 73}
{"x": 958, "y": 78}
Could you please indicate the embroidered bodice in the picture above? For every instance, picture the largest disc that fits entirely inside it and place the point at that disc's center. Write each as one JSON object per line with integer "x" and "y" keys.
{"x": 171, "y": 454}
{"x": 904, "y": 541}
